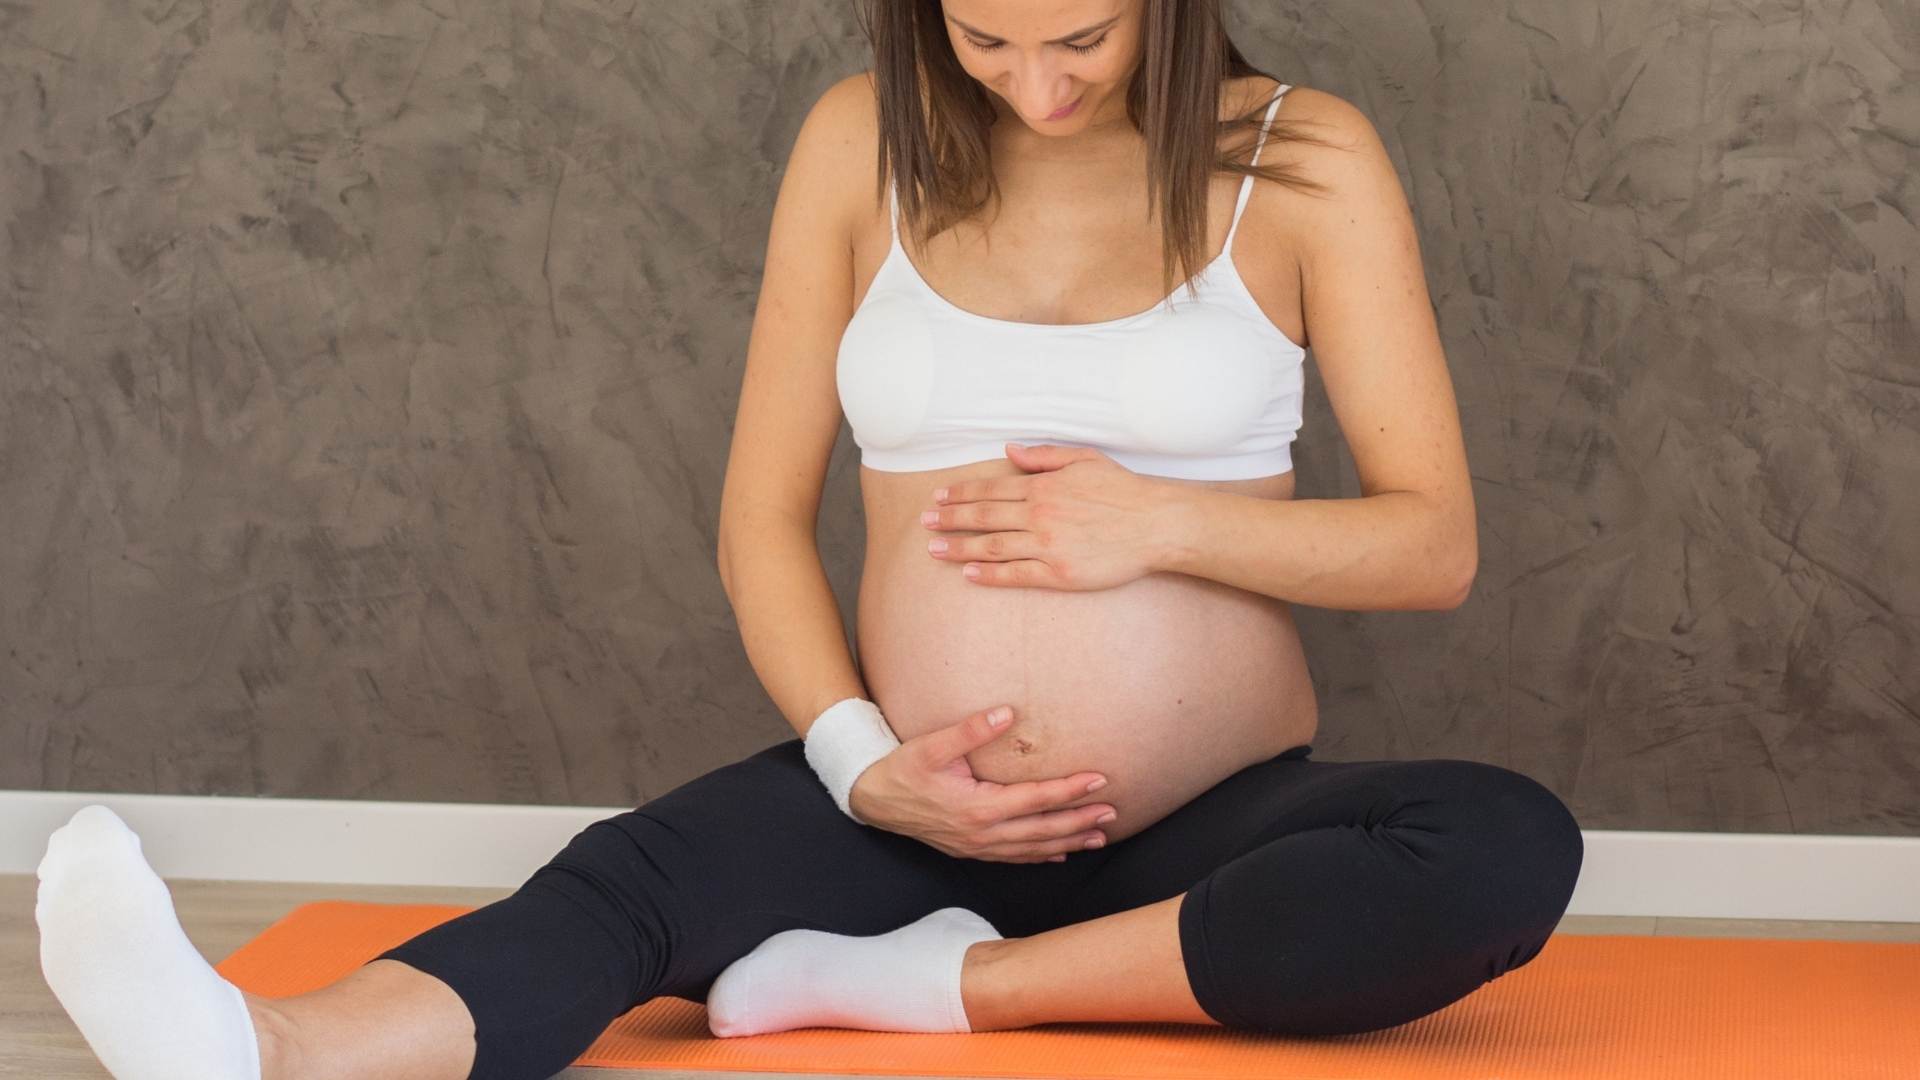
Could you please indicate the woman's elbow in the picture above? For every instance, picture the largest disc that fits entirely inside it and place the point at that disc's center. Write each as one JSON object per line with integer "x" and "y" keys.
{"x": 1469, "y": 564}
{"x": 1459, "y": 595}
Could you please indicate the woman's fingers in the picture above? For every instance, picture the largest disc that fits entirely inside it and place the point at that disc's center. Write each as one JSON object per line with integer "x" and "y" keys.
{"x": 1041, "y": 850}
{"x": 1029, "y": 797}
{"x": 1053, "y": 832}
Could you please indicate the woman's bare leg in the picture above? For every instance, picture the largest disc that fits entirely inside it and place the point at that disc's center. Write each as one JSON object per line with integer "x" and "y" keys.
{"x": 1338, "y": 908}
{"x": 111, "y": 945}
{"x": 384, "y": 1019}
{"x": 1122, "y": 967}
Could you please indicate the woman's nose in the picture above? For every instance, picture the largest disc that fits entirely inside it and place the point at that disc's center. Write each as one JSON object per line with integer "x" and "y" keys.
{"x": 1039, "y": 93}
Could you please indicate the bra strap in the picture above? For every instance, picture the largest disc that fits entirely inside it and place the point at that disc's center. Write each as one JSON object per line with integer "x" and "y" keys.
{"x": 1246, "y": 185}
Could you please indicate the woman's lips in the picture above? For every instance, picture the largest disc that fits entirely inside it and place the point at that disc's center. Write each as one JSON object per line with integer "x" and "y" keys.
{"x": 1066, "y": 112}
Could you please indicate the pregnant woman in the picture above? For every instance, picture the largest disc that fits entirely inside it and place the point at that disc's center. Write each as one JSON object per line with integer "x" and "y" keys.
{"x": 1079, "y": 515}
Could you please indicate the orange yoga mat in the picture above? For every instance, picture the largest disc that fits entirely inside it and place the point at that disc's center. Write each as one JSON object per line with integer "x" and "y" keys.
{"x": 1588, "y": 1007}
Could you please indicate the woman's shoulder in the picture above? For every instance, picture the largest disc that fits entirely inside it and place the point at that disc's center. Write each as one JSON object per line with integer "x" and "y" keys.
{"x": 848, "y": 104}
{"x": 840, "y": 136}
{"x": 1342, "y": 168}
{"x": 1245, "y": 94}
{"x": 1251, "y": 93}
{"x": 1336, "y": 141}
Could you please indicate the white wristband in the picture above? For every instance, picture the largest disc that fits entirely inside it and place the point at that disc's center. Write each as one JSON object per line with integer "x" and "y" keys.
{"x": 843, "y": 741}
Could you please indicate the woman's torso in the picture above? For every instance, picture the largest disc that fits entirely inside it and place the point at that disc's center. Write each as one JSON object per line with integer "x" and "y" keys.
{"x": 1167, "y": 684}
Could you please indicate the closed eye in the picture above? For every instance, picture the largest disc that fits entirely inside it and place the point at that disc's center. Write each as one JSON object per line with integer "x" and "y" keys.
{"x": 1082, "y": 49}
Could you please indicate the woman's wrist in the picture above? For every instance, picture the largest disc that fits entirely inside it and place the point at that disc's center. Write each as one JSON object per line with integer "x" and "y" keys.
{"x": 843, "y": 742}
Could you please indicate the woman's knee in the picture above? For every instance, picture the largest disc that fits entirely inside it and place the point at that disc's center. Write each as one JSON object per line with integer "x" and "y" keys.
{"x": 1518, "y": 848}
{"x": 1483, "y": 862}
{"x": 656, "y": 874}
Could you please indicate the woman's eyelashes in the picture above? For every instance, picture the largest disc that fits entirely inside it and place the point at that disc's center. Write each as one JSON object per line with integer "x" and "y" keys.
{"x": 1082, "y": 49}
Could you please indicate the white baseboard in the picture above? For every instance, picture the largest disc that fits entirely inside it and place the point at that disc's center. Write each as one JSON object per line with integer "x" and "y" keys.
{"x": 353, "y": 841}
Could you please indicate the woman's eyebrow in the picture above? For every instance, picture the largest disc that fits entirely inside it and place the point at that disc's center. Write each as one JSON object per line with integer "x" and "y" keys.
{"x": 1055, "y": 41}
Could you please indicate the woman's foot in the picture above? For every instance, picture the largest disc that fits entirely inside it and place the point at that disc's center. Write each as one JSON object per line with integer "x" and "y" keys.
{"x": 904, "y": 980}
{"x": 149, "y": 1004}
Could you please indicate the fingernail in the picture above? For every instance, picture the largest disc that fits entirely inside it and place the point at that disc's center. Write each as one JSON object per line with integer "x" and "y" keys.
{"x": 999, "y": 716}
{"x": 930, "y": 517}
{"x": 937, "y": 545}
{"x": 1097, "y": 784}
{"x": 1104, "y": 818}
{"x": 939, "y": 494}
{"x": 1095, "y": 841}
{"x": 1058, "y": 858}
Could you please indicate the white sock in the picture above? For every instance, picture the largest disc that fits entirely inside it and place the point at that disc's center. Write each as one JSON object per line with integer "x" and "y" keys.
{"x": 903, "y": 980}
{"x": 149, "y": 1004}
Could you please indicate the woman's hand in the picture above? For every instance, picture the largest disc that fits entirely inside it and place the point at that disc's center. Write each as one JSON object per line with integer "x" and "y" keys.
{"x": 1077, "y": 520}
{"x": 925, "y": 789}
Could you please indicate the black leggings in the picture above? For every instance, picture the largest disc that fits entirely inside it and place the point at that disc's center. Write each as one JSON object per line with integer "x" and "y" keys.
{"x": 1322, "y": 897}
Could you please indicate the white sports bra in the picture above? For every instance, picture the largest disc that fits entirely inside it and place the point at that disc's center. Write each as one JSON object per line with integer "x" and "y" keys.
{"x": 1196, "y": 388}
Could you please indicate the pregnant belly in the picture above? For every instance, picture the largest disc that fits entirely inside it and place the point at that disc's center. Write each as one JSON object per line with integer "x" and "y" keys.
{"x": 1165, "y": 685}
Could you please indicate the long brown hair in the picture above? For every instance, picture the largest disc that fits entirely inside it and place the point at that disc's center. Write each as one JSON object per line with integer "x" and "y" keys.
{"x": 934, "y": 120}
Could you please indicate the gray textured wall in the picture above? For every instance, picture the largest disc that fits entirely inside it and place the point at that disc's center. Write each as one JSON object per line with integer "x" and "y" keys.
{"x": 369, "y": 370}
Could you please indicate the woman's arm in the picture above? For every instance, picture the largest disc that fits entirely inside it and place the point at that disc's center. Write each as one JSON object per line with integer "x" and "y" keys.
{"x": 789, "y": 415}
{"x": 1393, "y": 550}
{"x": 1411, "y": 540}
{"x": 789, "y": 621}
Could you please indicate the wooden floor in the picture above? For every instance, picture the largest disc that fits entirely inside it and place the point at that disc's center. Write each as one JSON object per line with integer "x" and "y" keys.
{"x": 38, "y": 1040}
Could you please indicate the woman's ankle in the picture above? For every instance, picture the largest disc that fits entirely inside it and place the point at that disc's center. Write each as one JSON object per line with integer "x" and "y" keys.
{"x": 278, "y": 1039}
